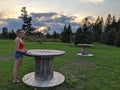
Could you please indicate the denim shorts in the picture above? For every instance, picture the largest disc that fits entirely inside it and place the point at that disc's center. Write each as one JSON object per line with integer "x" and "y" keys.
{"x": 18, "y": 55}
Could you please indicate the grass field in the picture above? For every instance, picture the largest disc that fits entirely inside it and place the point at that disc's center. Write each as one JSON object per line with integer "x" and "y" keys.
{"x": 100, "y": 72}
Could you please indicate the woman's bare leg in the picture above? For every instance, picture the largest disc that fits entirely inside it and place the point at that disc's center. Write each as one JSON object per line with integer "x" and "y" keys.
{"x": 16, "y": 68}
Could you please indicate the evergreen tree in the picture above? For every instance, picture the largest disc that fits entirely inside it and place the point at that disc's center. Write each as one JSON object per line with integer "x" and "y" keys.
{"x": 117, "y": 35}
{"x": 103, "y": 35}
{"x": 63, "y": 34}
{"x": 110, "y": 30}
{"x": 87, "y": 35}
{"x": 48, "y": 35}
{"x": 117, "y": 39}
{"x": 79, "y": 36}
{"x": 110, "y": 37}
{"x": 118, "y": 25}
{"x": 114, "y": 23}
{"x": 108, "y": 23}
{"x": 97, "y": 30}
{"x": 84, "y": 35}
{"x": 55, "y": 35}
{"x": 66, "y": 34}
{"x": 111, "y": 33}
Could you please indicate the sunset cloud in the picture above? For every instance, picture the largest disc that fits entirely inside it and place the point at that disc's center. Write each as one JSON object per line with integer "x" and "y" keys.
{"x": 53, "y": 20}
{"x": 55, "y": 13}
{"x": 92, "y": 1}
{"x": 96, "y": 1}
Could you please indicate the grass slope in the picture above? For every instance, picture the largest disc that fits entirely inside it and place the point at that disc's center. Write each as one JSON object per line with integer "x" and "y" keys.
{"x": 100, "y": 72}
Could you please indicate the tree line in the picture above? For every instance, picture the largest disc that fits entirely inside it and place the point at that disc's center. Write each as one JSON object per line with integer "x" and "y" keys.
{"x": 107, "y": 32}
{"x": 7, "y": 34}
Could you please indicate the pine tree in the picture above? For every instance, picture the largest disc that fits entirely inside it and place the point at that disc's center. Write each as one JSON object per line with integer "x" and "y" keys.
{"x": 110, "y": 30}
{"x": 118, "y": 25}
{"x": 48, "y": 35}
{"x": 110, "y": 36}
{"x": 117, "y": 35}
{"x": 87, "y": 35}
{"x": 79, "y": 36}
{"x": 114, "y": 23}
{"x": 63, "y": 35}
{"x": 108, "y": 23}
{"x": 83, "y": 34}
{"x": 117, "y": 39}
{"x": 55, "y": 35}
{"x": 66, "y": 34}
{"x": 69, "y": 33}
{"x": 97, "y": 30}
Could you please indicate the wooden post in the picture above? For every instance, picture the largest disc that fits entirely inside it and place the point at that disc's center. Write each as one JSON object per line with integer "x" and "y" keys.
{"x": 85, "y": 50}
{"x": 43, "y": 68}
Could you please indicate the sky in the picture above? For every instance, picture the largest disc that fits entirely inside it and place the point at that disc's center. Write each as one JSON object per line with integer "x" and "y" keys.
{"x": 56, "y": 13}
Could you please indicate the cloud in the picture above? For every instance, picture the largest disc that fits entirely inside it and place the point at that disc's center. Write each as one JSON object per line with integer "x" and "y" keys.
{"x": 92, "y": 1}
{"x": 10, "y": 23}
{"x": 96, "y": 1}
{"x": 55, "y": 21}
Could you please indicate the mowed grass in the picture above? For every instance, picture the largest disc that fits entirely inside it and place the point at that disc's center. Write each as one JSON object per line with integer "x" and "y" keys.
{"x": 100, "y": 72}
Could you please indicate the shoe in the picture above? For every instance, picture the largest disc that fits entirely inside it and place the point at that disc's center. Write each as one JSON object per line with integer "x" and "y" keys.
{"x": 16, "y": 81}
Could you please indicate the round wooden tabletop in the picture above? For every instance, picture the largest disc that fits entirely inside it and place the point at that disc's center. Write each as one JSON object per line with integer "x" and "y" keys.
{"x": 85, "y": 45}
{"x": 44, "y": 53}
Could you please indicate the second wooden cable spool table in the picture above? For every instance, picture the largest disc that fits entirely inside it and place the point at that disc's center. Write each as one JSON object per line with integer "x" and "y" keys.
{"x": 84, "y": 49}
{"x": 44, "y": 76}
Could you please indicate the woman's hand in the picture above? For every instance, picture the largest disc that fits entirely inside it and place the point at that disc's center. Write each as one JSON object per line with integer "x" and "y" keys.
{"x": 28, "y": 52}
{"x": 25, "y": 51}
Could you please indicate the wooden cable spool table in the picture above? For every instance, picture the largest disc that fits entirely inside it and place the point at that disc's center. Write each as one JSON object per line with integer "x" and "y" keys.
{"x": 84, "y": 50}
{"x": 44, "y": 76}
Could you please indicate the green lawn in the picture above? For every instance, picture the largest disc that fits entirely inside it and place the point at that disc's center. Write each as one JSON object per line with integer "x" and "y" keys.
{"x": 100, "y": 72}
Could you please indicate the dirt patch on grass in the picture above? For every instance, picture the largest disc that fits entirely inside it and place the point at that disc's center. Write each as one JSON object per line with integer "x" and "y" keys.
{"x": 5, "y": 58}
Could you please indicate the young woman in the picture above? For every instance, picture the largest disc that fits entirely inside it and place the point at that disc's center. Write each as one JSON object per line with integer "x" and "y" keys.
{"x": 18, "y": 55}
